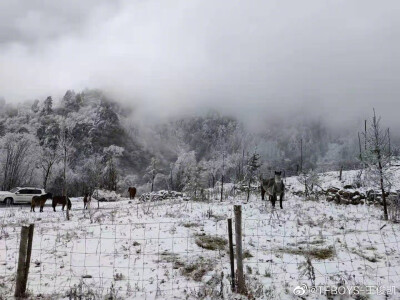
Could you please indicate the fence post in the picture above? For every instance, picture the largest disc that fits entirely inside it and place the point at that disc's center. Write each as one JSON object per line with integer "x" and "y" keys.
{"x": 66, "y": 200}
{"x": 28, "y": 255}
{"x": 231, "y": 255}
{"x": 23, "y": 245}
{"x": 239, "y": 254}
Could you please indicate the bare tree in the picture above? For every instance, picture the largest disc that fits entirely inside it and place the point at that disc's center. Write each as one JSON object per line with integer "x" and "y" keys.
{"x": 223, "y": 174}
{"x": 301, "y": 155}
{"x": 212, "y": 166}
{"x": 377, "y": 156}
{"x": 91, "y": 174}
{"x": 152, "y": 171}
{"x": 16, "y": 159}
{"x": 111, "y": 172}
{"x": 48, "y": 158}
{"x": 66, "y": 140}
{"x": 309, "y": 179}
{"x": 194, "y": 180}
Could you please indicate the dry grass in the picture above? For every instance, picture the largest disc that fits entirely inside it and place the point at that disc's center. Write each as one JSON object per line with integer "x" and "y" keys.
{"x": 190, "y": 224}
{"x": 194, "y": 270}
{"x": 247, "y": 254}
{"x": 371, "y": 258}
{"x": 210, "y": 242}
{"x": 316, "y": 253}
{"x": 197, "y": 269}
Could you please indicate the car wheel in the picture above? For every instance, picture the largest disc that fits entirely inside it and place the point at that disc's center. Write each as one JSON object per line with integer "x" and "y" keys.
{"x": 8, "y": 201}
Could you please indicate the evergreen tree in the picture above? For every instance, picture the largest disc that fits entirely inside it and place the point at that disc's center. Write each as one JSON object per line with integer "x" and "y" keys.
{"x": 253, "y": 164}
{"x": 377, "y": 156}
{"x": 47, "y": 106}
{"x": 35, "y": 106}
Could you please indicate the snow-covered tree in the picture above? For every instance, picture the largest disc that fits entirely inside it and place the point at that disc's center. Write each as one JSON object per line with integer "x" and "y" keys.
{"x": 35, "y": 106}
{"x": 48, "y": 158}
{"x": 47, "y": 106}
{"x": 310, "y": 180}
{"x": 111, "y": 173}
{"x": 17, "y": 158}
{"x": 253, "y": 164}
{"x": 186, "y": 161}
{"x": 71, "y": 102}
{"x": 66, "y": 147}
{"x": 377, "y": 156}
{"x": 212, "y": 167}
{"x": 194, "y": 181}
{"x": 152, "y": 171}
{"x": 91, "y": 174}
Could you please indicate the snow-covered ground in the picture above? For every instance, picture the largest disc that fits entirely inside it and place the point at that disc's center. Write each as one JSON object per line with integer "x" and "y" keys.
{"x": 177, "y": 249}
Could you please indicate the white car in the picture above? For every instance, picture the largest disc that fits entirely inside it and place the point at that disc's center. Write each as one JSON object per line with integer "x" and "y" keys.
{"x": 20, "y": 195}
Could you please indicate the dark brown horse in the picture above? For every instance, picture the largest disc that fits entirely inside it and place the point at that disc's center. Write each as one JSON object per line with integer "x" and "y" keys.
{"x": 63, "y": 200}
{"x": 86, "y": 201}
{"x": 132, "y": 192}
{"x": 40, "y": 200}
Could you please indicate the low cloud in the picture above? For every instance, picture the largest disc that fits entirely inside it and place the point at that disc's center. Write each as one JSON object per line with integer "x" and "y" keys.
{"x": 257, "y": 60}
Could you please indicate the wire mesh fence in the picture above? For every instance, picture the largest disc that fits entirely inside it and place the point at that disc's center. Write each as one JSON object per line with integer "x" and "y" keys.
{"x": 126, "y": 259}
{"x": 190, "y": 256}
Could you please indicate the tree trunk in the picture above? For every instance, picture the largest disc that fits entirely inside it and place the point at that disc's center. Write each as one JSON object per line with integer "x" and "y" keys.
{"x": 65, "y": 174}
{"x": 46, "y": 177}
{"x": 242, "y": 172}
{"x": 301, "y": 155}
{"x": 172, "y": 187}
{"x": 65, "y": 179}
{"x": 365, "y": 134}
{"x": 390, "y": 150}
{"x": 248, "y": 191}
{"x": 359, "y": 142}
{"x": 222, "y": 186}
{"x": 222, "y": 177}
{"x": 385, "y": 212}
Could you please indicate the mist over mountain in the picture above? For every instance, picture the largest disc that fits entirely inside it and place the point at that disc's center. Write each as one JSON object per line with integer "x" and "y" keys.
{"x": 104, "y": 134}
{"x": 255, "y": 61}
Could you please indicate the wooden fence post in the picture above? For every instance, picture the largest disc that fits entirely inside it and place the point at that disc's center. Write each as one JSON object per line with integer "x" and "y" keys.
{"x": 239, "y": 254}
{"x": 231, "y": 255}
{"x": 23, "y": 245}
{"x": 66, "y": 200}
{"x": 28, "y": 255}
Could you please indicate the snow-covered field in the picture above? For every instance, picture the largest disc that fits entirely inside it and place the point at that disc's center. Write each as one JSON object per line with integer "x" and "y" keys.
{"x": 175, "y": 249}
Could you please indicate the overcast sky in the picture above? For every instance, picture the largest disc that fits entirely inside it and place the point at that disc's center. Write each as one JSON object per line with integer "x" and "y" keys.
{"x": 257, "y": 59}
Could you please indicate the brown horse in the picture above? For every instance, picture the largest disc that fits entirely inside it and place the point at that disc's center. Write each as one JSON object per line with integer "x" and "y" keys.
{"x": 132, "y": 192}
{"x": 63, "y": 200}
{"x": 40, "y": 200}
{"x": 86, "y": 201}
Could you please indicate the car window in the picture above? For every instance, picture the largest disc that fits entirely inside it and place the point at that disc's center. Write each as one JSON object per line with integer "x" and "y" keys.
{"x": 37, "y": 192}
{"x": 14, "y": 190}
{"x": 24, "y": 191}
